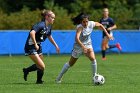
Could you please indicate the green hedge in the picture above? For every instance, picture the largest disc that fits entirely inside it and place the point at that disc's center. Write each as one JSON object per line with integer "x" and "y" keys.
{"x": 24, "y": 19}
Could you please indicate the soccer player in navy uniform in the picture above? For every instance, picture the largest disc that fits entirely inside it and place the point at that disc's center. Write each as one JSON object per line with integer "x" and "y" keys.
{"x": 39, "y": 32}
{"x": 109, "y": 24}
{"x": 83, "y": 43}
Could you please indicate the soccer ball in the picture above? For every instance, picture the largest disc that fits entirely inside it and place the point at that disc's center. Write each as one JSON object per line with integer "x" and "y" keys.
{"x": 98, "y": 79}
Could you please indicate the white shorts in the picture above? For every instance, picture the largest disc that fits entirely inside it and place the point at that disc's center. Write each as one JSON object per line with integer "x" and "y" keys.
{"x": 77, "y": 50}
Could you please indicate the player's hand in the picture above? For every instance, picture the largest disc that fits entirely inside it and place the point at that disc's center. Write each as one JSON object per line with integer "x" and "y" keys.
{"x": 58, "y": 50}
{"x": 109, "y": 29}
{"x": 111, "y": 37}
{"x": 36, "y": 47}
{"x": 84, "y": 49}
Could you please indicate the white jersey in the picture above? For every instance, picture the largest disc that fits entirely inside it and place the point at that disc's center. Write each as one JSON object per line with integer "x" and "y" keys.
{"x": 84, "y": 38}
{"x": 86, "y": 33}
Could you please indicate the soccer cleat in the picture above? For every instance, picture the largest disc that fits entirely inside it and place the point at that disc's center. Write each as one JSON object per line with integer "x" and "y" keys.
{"x": 39, "y": 82}
{"x": 58, "y": 81}
{"x": 25, "y": 74}
{"x": 95, "y": 74}
{"x": 118, "y": 46}
{"x": 104, "y": 58}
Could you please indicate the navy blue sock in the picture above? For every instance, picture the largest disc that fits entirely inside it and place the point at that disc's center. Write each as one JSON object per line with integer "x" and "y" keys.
{"x": 40, "y": 74}
{"x": 103, "y": 53}
{"x": 31, "y": 68}
{"x": 112, "y": 46}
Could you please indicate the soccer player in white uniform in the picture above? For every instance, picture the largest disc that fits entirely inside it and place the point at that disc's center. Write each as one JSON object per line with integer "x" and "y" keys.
{"x": 83, "y": 43}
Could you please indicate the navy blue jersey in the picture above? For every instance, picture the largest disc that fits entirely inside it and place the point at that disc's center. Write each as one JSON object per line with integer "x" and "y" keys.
{"x": 108, "y": 22}
{"x": 42, "y": 31}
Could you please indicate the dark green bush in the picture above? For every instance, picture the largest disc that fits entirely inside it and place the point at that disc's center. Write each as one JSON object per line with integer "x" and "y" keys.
{"x": 125, "y": 16}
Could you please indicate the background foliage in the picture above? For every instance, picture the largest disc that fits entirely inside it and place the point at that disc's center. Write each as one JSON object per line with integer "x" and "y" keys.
{"x": 22, "y": 14}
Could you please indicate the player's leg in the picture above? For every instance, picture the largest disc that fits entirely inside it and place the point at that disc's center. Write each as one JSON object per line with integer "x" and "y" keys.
{"x": 90, "y": 54}
{"x": 37, "y": 58}
{"x": 65, "y": 68}
{"x": 29, "y": 50}
{"x": 112, "y": 46}
{"x": 77, "y": 51}
{"x": 117, "y": 45}
{"x": 29, "y": 69}
{"x": 41, "y": 66}
{"x": 104, "y": 47}
{"x": 40, "y": 72}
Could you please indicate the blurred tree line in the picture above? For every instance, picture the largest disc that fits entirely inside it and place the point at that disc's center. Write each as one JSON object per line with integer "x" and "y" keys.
{"x": 22, "y": 14}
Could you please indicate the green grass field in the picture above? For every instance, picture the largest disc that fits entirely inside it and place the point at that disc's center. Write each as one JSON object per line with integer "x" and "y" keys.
{"x": 121, "y": 71}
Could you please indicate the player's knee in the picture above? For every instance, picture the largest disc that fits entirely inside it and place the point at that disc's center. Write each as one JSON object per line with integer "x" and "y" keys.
{"x": 42, "y": 67}
{"x": 94, "y": 61}
{"x": 92, "y": 58}
{"x": 103, "y": 45}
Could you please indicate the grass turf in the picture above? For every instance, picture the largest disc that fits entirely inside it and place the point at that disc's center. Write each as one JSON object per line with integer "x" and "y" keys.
{"x": 121, "y": 72}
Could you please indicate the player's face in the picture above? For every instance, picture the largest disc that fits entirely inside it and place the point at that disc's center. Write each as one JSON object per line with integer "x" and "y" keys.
{"x": 105, "y": 12}
{"x": 51, "y": 18}
{"x": 85, "y": 22}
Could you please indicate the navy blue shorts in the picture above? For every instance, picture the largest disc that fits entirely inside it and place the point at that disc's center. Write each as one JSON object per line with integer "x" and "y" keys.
{"x": 30, "y": 50}
{"x": 105, "y": 34}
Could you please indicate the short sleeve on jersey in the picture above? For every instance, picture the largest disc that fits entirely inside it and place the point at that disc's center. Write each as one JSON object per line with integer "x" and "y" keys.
{"x": 112, "y": 22}
{"x": 78, "y": 26}
{"x": 91, "y": 24}
{"x": 37, "y": 27}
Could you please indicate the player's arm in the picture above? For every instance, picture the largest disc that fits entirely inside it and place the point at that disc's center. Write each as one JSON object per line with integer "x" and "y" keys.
{"x": 100, "y": 26}
{"x": 78, "y": 32}
{"x": 33, "y": 31}
{"x": 54, "y": 43}
{"x": 112, "y": 27}
{"x": 32, "y": 35}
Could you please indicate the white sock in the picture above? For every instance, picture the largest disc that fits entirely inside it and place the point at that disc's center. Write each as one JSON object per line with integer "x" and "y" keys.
{"x": 64, "y": 70}
{"x": 94, "y": 67}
